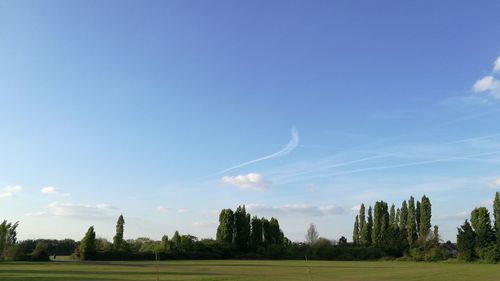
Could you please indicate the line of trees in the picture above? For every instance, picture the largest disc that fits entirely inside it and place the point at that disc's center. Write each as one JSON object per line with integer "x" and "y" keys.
{"x": 238, "y": 229}
{"x": 380, "y": 231}
{"x": 479, "y": 239}
{"x": 404, "y": 231}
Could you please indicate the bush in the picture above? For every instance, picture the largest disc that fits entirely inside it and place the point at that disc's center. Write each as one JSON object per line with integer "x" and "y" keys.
{"x": 40, "y": 253}
{"x": 489, "y": 254}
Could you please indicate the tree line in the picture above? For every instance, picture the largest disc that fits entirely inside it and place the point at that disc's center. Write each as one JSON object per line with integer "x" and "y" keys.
{"x": 404, "y": 232}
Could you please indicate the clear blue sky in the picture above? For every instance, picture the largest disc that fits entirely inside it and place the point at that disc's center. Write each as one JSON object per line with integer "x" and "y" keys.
{"x": 158, "y": 109}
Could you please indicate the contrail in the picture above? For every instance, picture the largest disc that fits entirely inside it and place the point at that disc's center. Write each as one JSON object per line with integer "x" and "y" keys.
{"x": 292, "y": 144}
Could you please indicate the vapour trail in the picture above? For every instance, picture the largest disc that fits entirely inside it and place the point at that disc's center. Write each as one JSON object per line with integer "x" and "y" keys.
{"x": 292, "y": 144}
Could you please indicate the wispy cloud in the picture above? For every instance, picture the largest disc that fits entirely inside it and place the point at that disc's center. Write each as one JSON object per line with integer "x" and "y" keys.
{"x": 292, "y": 144}
{"x": 162, "y": 209}
{"x": 495, "y": 183}
{"x": 205, "y": 223}
{"x": 10, "y": 191}
{"x": 77, "y": 210}
{"x": 182, "y": 210}
{"x": 249, "y": 181}
{"x": 53, "y": 191}
{"x": 296, "y": 209}
{"x": 453, "y": 217}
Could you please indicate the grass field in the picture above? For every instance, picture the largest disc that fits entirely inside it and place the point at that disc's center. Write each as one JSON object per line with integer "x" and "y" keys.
{"x": 250, "y": 271}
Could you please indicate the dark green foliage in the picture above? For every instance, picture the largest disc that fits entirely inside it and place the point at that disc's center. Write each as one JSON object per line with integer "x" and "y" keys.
{"x": 276, "y": 233}
{"x": 118, "y": 238}
{"x": 466, "y": 240}
{"x": 88, "y": 245}
{"x": 226, "y": 226}
{"x": 256, "y": 236}
{"x": 403, "y": 217}
{"x": 496, "y": 216}
{"x": 241, "y": 234}
{"x": 417, "y": 218}
{"x": 425, "y": 218}
{"x": 176, "y": 241}
{"x": 411, "y": 227}
{"x": 355, "y": 232}
{"x": 392, "y": 215}
{"x": 369, "y": 227}
{"x": 40, "y": 253}
{"x": 363, "y": 227}
{"x": 480, "y": 221}
{"x": 380, "y": 223}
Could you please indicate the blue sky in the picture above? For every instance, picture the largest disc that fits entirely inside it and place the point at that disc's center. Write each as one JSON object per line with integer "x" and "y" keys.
{"x": 151, "y": 108}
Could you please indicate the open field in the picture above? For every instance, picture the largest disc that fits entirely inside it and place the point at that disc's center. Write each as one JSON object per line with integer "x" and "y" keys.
{"x": 250, "y": 271}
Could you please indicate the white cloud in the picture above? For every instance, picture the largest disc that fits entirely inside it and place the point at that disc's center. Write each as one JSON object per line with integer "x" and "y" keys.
{"x": 487, "y": 83}
{"x": 162, "y": 209}
{"x": 10, "y": 191}
{"x": 249, "y": 181}
{"x": 356, "y": 208}
{"x": 182, "y": 210}
{"x": 52, "y": 191}
{"x": 297, "y": 209}
{"x": 497, "y": 65}
{"x": 77, "y": 210}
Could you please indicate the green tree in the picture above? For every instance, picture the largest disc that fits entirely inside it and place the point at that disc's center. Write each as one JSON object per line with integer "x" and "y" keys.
{"x": 425, "y": 218}
{"x": 276, "y": 233}
{"x": 266, "y": 229}
{"x": 226, "y": 226}
{"x": 312, "y": 235}
{"x": 118, "y": 238}
{"x": 411, "y": 227}
{"x": 380, "y": 223}
{"x": 417, "y": 218}
{"x": 496, "y": 215}
{"x": 369, "y": 227}
{"x": 466, "y": 239}
{"x": 355, "y": 232}
{"x": 392, "y": 215}
{"x": 256, "y": 236}
{"x": 241, "y": 234}
{"x": 398, "y": 218}
{"x": 88, "y": 245}
{"x": 364, "y": 239}
{"x": 403, "y": 217}
{"x": 164, "y": 244}
{"x": 176, "y": 241}
{"x": 480, "y": 220}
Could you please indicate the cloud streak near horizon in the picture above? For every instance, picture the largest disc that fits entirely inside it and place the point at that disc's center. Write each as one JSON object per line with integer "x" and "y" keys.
{"x": 291, "y": 145}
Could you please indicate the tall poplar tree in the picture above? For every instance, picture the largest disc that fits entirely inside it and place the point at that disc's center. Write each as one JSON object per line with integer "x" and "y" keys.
{"x": 417, "y": 218}
{"x": 411, "y": 228}
{"x": 226, "y": 226}
{"x": 425, "y": 218}
{"x": 256, "y": 236}
{"x": 369, "y": 227}
{"x": 364, "y": 239}
{"x": 118, "y": 238}
{"x": 88, "y": 245}
{"x": 480, "y": 220}
{"x": 392, "y": 215}
{"x": 241, "y": 233}
{"x": 496, "y": 215}
{"x": 355, "y": 232}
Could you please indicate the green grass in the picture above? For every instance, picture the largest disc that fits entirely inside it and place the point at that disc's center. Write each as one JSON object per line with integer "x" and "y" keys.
{"x": 249, "y": 271}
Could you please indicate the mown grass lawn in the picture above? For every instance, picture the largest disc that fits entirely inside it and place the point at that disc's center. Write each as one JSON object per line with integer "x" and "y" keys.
{"x": 250, "y": 271}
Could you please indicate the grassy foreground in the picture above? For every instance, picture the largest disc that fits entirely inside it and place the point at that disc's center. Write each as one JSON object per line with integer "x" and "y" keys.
{"x": 250, "y": 271}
